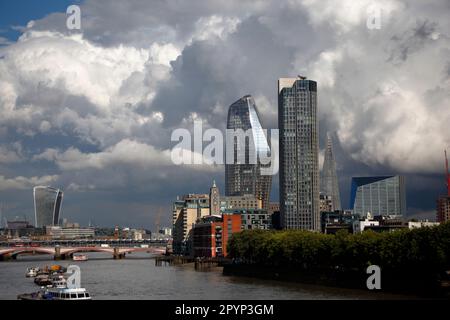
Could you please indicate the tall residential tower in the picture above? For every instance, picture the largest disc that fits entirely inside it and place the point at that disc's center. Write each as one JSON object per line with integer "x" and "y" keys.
{"x": 299, "y": 147}
{"x": 244, "y": 176}
{"x": 329, "y": 182}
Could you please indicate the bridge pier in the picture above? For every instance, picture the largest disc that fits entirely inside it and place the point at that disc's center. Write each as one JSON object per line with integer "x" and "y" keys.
{"x": 117, "y": 254}
{"x": 58, "y": 255}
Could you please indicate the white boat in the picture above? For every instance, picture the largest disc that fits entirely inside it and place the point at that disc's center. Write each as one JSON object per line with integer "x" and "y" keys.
{"x": 64, "y": 293}
{"x": 57, "y": 293}
{"x": 32, "y": 272}
{"x": 79, "y": 257}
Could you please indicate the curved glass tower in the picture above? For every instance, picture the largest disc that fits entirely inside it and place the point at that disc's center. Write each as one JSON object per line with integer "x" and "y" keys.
{"x": 47, "y": 206}
{"x": 243, "y": 175}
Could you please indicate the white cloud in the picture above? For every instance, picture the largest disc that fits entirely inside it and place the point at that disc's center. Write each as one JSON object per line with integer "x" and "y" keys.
{"x": 23, "y": 183}
{"x": 214, "y": 26}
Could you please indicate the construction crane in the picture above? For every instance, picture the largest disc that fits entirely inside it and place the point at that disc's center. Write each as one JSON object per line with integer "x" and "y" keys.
{"x": 447, "y": 173}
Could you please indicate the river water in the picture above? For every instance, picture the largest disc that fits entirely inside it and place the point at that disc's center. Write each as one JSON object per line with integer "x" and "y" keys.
{"x": 136, "y": 277}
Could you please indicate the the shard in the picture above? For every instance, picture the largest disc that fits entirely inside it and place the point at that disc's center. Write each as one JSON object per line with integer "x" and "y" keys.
{"x": 329, "y": 181}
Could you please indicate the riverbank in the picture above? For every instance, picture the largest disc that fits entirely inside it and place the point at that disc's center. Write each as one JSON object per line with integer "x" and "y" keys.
{"x": 350, "y": 279}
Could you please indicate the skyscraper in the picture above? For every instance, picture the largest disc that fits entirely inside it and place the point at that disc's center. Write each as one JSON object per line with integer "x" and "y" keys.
{"x": 329, "y": 181}
{"x": 299, "y": 147}
{"x": 246, "y": 177}
{"x": 382, "y": 195}
{"x": 47, "y": 206}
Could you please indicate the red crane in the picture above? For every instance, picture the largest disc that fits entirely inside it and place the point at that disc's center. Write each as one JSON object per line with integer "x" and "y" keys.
{"x": 447, "y": 174}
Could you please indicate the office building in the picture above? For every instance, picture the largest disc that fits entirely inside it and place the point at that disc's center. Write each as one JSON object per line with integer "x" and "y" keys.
{"x": 47, "y": 206}
{"x": 329, "y": 182}
{"x": 325, "y": 203}
{"x": 245, "y": 174}
{"x": 274, "y": 207}
{"x": 186, "y": 211}
{"x": 382, "y": 195}
{"x": 240, "y": 202}
{"x": 299, "y": 147}
{"x": 57, "y": 232}
{"x": 253, "y": 218}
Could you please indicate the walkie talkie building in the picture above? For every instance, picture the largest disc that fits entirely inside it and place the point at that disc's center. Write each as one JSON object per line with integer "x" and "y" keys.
{"x": 47, "y": 206}
{"x": 245, "y": 177}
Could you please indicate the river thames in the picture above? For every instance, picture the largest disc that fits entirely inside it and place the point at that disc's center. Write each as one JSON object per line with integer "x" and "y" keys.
{"x": 136, "y": 277}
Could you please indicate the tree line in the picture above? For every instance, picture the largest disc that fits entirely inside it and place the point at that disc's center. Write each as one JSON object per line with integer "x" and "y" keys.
{"x": 422, "y": 252}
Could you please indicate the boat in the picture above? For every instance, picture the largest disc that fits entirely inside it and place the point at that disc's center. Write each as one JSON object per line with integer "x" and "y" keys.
{"x": 32, "y": 272}
{"x": 57, "y": 293}
{"x": 60, "y": 288}
{"x": 43, "y": 280}
{"x": 79, "y": 257}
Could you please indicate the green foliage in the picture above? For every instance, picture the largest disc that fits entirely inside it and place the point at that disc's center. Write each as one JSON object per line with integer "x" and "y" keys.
{"x": 423, "y": 250}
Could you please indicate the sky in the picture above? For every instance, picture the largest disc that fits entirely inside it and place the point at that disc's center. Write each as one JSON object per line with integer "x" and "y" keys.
{"x": 92, "y": 111}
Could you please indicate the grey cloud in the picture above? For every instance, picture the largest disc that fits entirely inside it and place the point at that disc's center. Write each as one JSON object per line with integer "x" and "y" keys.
{"x": 138, "y": 69}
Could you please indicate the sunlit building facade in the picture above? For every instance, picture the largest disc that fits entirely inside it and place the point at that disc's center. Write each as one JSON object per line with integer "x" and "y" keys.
{"x": 244, "y": 177}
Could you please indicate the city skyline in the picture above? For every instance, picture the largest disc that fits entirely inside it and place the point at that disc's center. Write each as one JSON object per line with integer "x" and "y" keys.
{"x": 91, "y": 111}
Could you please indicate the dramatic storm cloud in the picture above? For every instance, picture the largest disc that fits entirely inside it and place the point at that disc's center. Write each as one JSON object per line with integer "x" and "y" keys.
{"x": 92, "y": 110}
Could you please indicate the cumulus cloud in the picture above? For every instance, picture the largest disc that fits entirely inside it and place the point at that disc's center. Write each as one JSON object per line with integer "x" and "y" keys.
{"x": 97, "y": 107}
{"x": 24, "y": 183}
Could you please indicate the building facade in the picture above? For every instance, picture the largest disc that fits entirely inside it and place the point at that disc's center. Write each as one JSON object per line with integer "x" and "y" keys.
{"x": 47, "y": 206}
{"x": 186, "y": 211}
{"x": 325, "y": 203}
{"x": 274, "y": 207}
{"x": 443, "y": 209}
{"x": 207, "y": 239}
{"x": 56, "y": 232}
{"x": 240, "y": 202}
{"x": 254, "y": 219}
{"x": 382, "y": 195}
{"x": 329, "y": 182}
{"x": 244, "y": 173}
{"x": 299, "y": 147}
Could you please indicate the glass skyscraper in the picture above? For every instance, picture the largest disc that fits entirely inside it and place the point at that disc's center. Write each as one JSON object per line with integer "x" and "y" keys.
{"x": 299, "y": 147}
{"x": 47, "y": 206}
{"x": 383, "y": 195}
{"x": 329, "y": 182}
{"x": 245, "y": 177}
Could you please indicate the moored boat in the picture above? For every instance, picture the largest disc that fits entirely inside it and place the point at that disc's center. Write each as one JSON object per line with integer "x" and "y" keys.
{"x": 32, "y": 272}
{"x": 79, "y": 257}
{"x": 60, "y": 288}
